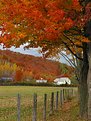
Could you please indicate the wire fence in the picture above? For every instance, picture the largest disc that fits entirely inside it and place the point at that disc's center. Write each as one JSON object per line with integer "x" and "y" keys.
{"x": 34, "y": 107}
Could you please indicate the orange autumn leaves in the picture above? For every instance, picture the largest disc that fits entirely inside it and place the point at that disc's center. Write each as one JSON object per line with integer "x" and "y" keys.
{"x": 41, "y": 19}
{"x": 30, "y": 66}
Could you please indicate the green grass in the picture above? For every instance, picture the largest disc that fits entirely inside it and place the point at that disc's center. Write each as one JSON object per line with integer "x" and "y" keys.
{"x": 8, "y": 101}
{"x": 26, "y": 90}
{"x": 69, "y": 112}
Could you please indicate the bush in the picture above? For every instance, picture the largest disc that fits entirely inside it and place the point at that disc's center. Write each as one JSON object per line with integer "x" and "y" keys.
{"x": 9, "y": 83}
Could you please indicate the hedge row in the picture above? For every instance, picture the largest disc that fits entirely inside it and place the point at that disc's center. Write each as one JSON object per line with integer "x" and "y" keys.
{"x": 34, "y": 84}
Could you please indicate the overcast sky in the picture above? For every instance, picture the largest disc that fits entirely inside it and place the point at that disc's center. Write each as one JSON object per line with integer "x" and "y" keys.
{"x": 31, "y": 51}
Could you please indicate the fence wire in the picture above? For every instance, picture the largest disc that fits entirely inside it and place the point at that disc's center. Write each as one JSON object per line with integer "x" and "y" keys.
{"x": 20, "y": 108}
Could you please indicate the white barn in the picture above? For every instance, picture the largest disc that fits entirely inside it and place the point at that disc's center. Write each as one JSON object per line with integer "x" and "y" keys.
{"x": 62, "y": 80}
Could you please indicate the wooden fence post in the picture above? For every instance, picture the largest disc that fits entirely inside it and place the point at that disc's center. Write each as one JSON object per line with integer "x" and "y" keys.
{"x": 52, "y": 103}
{"x": 44, "y": 109}
{"x": 18, "y": 107}
{"x": 61, "y": 98}
{"x": 57, "y": 100}
{"x": 34, "y": 107}
{"x": 64, "y": 94}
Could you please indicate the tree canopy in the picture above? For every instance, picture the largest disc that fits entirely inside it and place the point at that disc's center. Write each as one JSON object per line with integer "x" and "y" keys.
{"x": 43, "y": 23}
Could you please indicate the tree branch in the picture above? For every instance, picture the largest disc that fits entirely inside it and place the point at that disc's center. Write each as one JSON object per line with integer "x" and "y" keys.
{"x": 72, "y": 41}
{"x": 71, "y": 51}
{"x": 68, "y": 60}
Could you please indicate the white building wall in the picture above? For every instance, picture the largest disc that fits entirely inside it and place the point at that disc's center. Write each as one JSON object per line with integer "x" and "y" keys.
{"x": 63, "y": 80}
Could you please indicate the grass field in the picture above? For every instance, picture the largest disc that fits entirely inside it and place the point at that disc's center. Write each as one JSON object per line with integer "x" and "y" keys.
{"x": 69, "y": 112}
{"x": 27, "y": 90}
{"x": 8, "y": 101}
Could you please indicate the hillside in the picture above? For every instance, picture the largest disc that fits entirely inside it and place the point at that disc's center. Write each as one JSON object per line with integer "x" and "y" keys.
{"x": 36, "y": 67}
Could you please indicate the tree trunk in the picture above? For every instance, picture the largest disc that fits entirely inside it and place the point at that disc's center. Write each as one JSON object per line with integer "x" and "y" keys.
{"x": 85, "y": 83}
{"x": 89, "y": 82}
{"x": 83, "y": 87}
{"x": 83, "y": 91}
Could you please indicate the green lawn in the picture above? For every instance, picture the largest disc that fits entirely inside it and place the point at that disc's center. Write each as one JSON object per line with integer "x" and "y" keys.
{"x": 8, "y": 101}
{"x": 26, "y": 90}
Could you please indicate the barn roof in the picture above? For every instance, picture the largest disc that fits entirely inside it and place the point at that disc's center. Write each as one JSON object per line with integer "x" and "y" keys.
{"x": 63, "y": 76}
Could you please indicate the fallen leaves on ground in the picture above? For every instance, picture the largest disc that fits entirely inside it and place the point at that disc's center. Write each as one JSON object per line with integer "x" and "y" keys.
{"x": 68, "y": 112}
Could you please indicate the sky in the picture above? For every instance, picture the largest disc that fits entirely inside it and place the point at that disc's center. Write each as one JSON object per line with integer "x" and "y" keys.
{"x": 32, "y": 51}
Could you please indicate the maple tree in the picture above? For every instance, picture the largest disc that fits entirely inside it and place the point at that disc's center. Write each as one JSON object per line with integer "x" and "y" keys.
{"x": 51, "y": 24}
{"x": 40, "y": 23}
{"x": 19, "y": 75}
{"x": 36, "y": 21}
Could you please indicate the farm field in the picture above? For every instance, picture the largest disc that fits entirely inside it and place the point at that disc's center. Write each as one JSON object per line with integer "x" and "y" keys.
{"x": 26, "y": 90}
{"x": 8, "y": 101}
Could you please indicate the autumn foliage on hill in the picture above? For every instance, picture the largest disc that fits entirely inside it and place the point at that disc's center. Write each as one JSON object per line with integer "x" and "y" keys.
{"x": 36, "y": 67}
